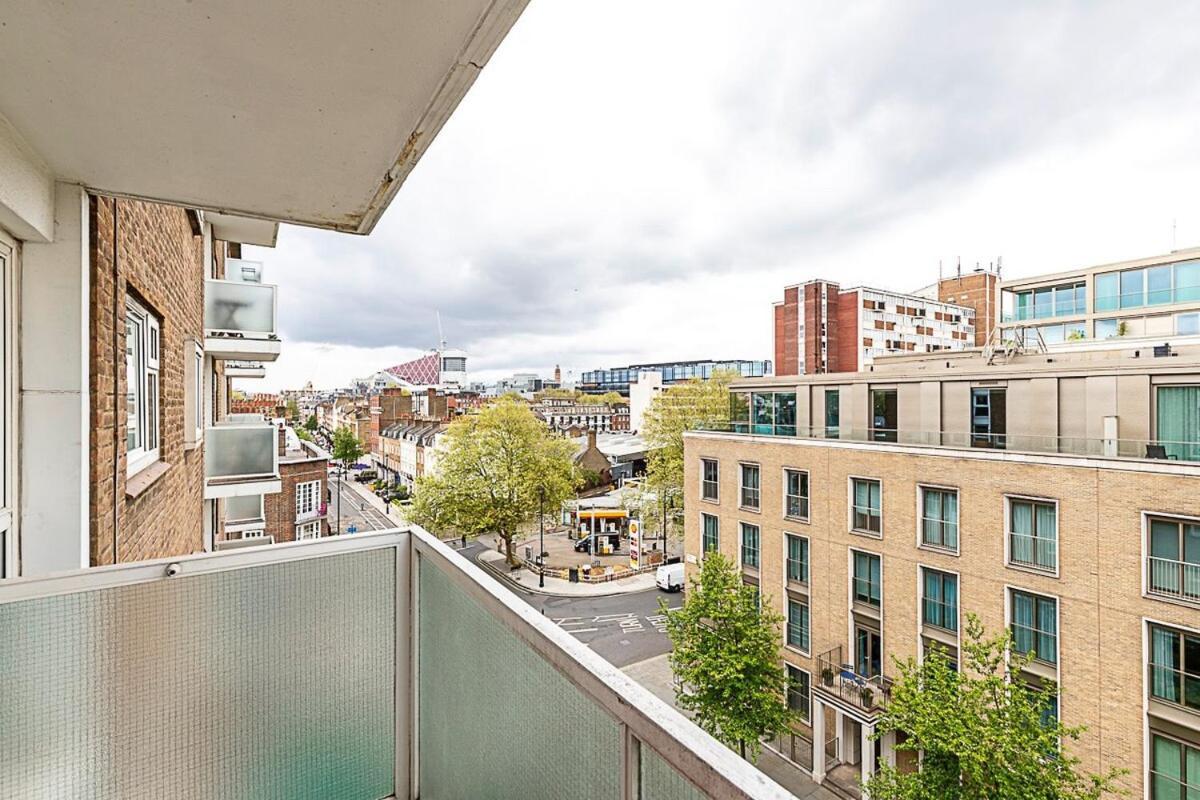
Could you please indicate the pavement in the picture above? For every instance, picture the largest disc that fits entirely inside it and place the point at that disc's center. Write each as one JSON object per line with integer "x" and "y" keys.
{"x": 359, "y": 507}
{"x": 654, "y": 673}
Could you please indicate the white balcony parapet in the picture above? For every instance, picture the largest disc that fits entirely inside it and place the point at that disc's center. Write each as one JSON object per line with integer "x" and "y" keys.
{"x": 244, "y": 513}
{"x": 243, "y": 270}
{"x": 385, "y": 636}
{"x": 245, "y": 369}
{"x": 241, "y": 458}
{"x": 239, "y": 321}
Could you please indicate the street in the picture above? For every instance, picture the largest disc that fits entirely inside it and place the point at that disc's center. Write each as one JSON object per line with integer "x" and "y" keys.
{"x": 356, "y": 507}
{"x": 623, "y": 628}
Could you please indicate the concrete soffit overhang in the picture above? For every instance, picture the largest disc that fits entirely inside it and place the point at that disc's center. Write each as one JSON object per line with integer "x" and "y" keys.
{"x": 307, "y": 113}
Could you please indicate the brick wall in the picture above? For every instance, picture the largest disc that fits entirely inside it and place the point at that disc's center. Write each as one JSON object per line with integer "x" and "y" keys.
{"x": 158, "y": 258}
{"x": 280, "y": 509}
{"x": 978, "y": 290}
{"x": 845, "y": 339}
{"x": 787, "y": 332}
{"x": 1098, "y": 586}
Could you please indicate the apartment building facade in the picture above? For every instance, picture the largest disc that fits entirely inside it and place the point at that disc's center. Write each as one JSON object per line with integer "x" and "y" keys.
{"x": 1123, "y": 304}
{"x": 1055, "y": 496}
{"x": 618, "y": 379}
{"x": 565, "y": 415}
{"x": 820, "y": 327}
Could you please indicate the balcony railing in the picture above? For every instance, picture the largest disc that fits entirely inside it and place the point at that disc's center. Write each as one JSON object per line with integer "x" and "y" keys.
{"x": 1036, "y": 552}
{"x": 139, "y": 680}
{"x": 244, "y": 513}
{"x": 239, "y": 321}
{"x": 1172, "y": 685}
{"x": 1179, "y": 580}
{"x": 1146, "y": 449}
{"x": 939, "y": 614}
{"x": 869, "y": 694}
{"x": 245, "y": 369}
{"x": 241, "y": 458}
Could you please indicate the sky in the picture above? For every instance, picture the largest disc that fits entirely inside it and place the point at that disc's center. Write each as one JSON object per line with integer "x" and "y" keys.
{"x": 637, "y": 181}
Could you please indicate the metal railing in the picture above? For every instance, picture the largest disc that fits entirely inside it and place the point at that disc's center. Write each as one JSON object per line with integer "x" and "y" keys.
{"x": 866, "y": 591}
{"x": 797, "y": 570}
{"x": 939, "y": 614}
{"x": 797, "y": 506}
{"x": 836, "y": 677}
{"x": 1179, "y": 580}
{"x": 1092, "y": 447}
{"x": 1173, "y": 685}
{"x": 151, "y": 672}
{"x": 1037, "y": 552}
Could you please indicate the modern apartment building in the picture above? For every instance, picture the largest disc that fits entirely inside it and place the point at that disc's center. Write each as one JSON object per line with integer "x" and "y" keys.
{"x": 1056, "y": 495}
{"x": 820, "y": 327}
{"x": 618, "y": 379}
{"x": 1124, "y": 304}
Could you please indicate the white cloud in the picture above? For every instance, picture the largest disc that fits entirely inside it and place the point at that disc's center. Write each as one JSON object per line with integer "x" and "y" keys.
{"x": 637, "y": 181}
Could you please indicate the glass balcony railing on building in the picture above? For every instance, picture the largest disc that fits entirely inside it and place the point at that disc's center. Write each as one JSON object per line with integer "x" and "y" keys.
{"x": 409, "y": 672}
{"x": 241, "y": 458}
{"x": 239, "y": 321}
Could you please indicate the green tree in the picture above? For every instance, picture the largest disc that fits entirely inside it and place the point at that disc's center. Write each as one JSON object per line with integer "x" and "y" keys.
{"x": 684, "y": 407}
{"x": 489, "y": 477}
{"x": 725, "y": 652}
{"x": 293, "y": 409}
{"x": 347, "y": 448}
{"x": 304, "y": 434}
{"x": 982, "y": 734}
{"x": 311, "y": 422}
{"x": 611, "y": 398}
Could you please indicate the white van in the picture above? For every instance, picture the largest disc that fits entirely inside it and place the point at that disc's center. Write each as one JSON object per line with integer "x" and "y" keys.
{"x": 669, "y": 578}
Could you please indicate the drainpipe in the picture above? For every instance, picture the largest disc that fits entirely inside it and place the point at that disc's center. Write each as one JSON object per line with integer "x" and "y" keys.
{"x": 116, "y": 374}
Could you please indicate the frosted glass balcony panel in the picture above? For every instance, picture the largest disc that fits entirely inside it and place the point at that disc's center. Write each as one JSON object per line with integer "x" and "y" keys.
{"x": 243, "y": 509}
{"x": 241, "y": 308}
{"x": 528, "y": 731}
{"x": 268, "y": 681}
{"x": 240, "y": 451}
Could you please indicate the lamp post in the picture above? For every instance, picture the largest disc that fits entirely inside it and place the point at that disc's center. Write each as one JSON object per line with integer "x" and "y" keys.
{"x": 541, "y": 538}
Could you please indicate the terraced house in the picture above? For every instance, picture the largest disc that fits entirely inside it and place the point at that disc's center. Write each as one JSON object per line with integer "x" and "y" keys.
{"x": 140, "y": 148}
{"x": 1056, "y": 494}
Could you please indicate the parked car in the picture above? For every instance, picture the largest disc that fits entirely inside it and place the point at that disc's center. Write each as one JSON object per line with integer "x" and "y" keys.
{"x": 669, "y": 578}
{"x": 366, "y": 476}
{"x": 584, "y": 545}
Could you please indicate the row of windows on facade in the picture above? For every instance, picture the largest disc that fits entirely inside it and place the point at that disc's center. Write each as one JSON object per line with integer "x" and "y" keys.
{"x": 1173, "y": 552}
{"x": 1131, "y": 288}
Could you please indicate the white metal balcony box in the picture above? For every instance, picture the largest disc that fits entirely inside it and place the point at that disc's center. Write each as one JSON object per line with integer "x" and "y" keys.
{"x": 239, "y": 321}
{"x": 241, "y": 459}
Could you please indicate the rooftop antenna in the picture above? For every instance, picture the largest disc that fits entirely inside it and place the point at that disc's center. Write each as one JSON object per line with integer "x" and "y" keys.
{"x": 441, "y": 336}
{"x": 1174, "y": 244}
{"x": 960, "y": 266}
{"x": 999, "y": 260}
{"x": 939, "y": 270}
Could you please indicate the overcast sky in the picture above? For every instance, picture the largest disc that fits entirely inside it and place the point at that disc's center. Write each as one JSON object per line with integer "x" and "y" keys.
{"x": 636, "y": 181}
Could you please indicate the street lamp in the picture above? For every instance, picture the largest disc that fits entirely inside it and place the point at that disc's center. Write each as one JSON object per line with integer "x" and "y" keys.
{"x": 541, "y": 538}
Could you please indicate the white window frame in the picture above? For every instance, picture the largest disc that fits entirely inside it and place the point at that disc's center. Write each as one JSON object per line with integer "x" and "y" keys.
{"x": 8, "y": 406}
{"x": 304, "y": 490}
{"x": 850, "y": 506}
{"x": 921, "y": 543}
{"x": 308, "y": 530}
{"x": 194, "y": 369}
{"x": 742, "y": 565}
{"x": 1147, "y": 591}
{"x": 807, "y": 496}
{"x": 756, "y": 509}
{"x": 147, "y": 382}
{"x": 1058, "y": 532}
{"x": 716, "y": 498}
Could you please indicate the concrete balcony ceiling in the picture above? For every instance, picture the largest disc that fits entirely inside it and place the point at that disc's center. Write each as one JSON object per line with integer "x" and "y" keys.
{"x": 312, "y": 113}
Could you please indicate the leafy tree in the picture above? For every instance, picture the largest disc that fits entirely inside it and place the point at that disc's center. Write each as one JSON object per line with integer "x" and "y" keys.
{"x": 311, "y": 422}
{"x": 304, "y": 434}
{"x": 347, "y": 448}
{"x": 293, "y": 409}
{"x": 489, "y": 476}
{"x": 611, "y": 398}
{"x": 982, "y": 734}
{"x": 726, "y": 654}
{"x": 681, "y": 408}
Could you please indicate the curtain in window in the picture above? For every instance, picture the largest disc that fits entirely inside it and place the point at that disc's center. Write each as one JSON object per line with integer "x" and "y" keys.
{"x": 1164, "y": 655}
{"x": 1047, "y": 640}
{"x": 950, "y": 600}
{"x": 950, "y": 518}
{"x": 1179, "y": 421}
{"x": 1167, "y": 777}
{"x": 1022, "y": 528}
{"x": 932, "y": 524}
{"x": 933, "y": 610}
{"x": 1164, "y": 552}
{"x": 1022, "y": 616}
{"x": 1047, "y": 533}
{"x": 1192, "y": 772}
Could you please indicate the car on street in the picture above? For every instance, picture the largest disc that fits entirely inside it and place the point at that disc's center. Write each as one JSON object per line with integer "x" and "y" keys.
{"x": 669, "y": 578}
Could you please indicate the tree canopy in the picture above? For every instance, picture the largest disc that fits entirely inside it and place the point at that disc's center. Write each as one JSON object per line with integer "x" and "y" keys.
{"x": 983, "y": 733}
{"x": 683, "y": 407}
{"x": 347, "y": 448}
{"x": 489, "y": 477}
{"x": 311, "y": 422}
{"x": 725, "y": 652}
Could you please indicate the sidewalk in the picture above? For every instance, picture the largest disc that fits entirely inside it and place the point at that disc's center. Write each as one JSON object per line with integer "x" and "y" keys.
{"x": 493, "y": 560}
{"x": 655, "y": 674}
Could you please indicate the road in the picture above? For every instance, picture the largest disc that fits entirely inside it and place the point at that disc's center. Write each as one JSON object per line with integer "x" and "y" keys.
{"x": 623, "y": 628}
{"x": 356, "y": 510}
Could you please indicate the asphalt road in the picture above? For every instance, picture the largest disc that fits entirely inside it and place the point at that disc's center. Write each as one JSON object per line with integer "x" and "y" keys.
{"x": 355, "y": 509}
{"x": 623, "y": 628}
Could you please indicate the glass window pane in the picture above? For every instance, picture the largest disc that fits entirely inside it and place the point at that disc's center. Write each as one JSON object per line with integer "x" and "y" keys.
{"x": 1187, "y": 281}
{"x": 1106, "y": 328}
{"x": 1043, "y": 303}
{"x": 1107, "y": 292}
{"x": 1158, "y": 285}
{"x": 1133, "y": 288}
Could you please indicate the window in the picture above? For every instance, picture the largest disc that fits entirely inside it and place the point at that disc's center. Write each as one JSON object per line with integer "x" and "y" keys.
{"x": 833, "y": 413}
{"x": 1107, "y": 292}
{"x": 939, "y": 518}
{"x": 1174, "y": 769}
{"x": 867, "y": 511}
{"x": 884, "y": 410}
{"x": 797, "y": 623}
{"x": 1174, "y": 562}
{"x": 750, "y": 487}
{"x": 795, "y": 502}
{"x": 753, "y": 587}
{"x": 193, "y": 398}
{"x": 308, "y": 498}
{"x": 797, "y": 558}
{"x": 939, "y": 599}
{"x": 309, "y": 530}
{"x": 1033, "y": 534}
{"x": 1035, "y": 625}
{"x": 773, "y": 413}
{"x": 1178, "y": 417}
{"x": 749, "y": 545}
{"x": 708, "y": 479}
{"x": 1133, "y": 288}
{"x": 798, "y": 692}
{"x": 141, "y": 386}
{"x": 710, "y": 537}
{"x": 866, "y": 579}
{"x": 988, "y": 418}
{"x": 1175, "y": 666}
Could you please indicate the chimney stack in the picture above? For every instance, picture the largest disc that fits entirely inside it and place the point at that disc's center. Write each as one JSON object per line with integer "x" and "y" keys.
{"x": 557, "y": 374}
{"x": 282, "y": 440}
{"x": 591, "y": 438}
